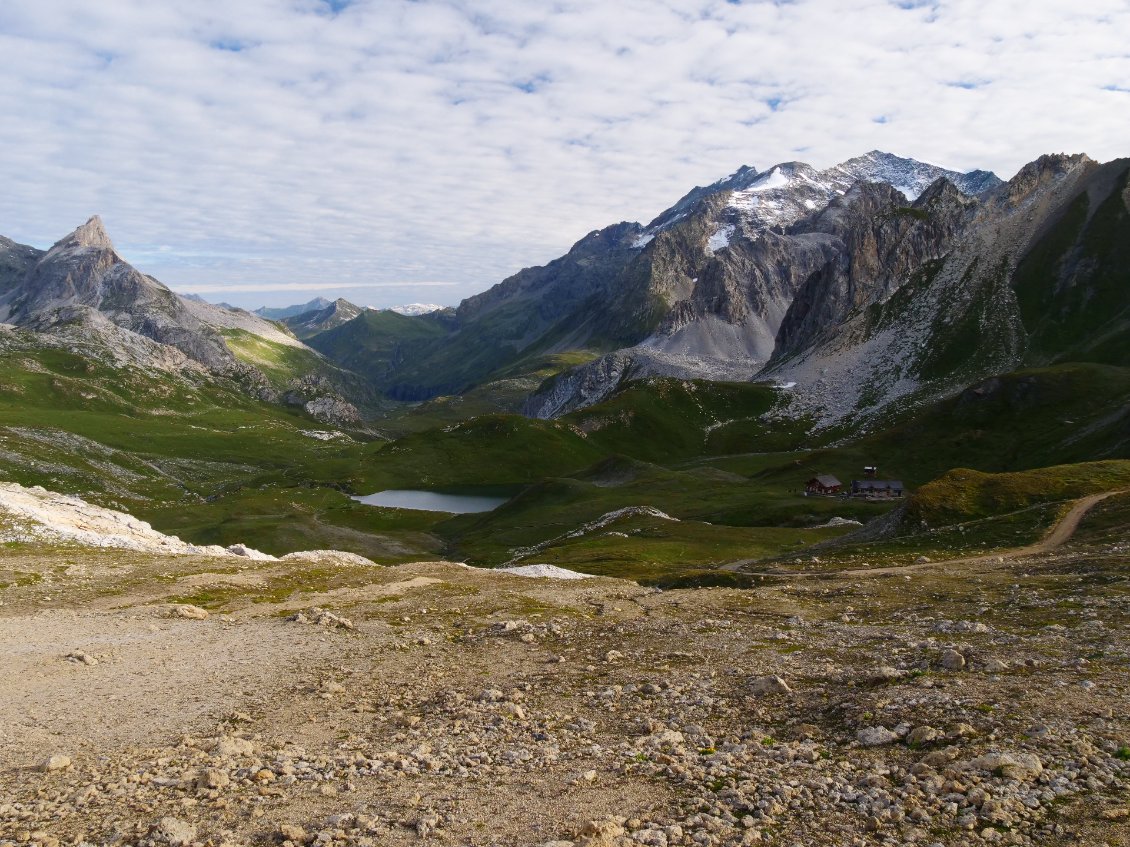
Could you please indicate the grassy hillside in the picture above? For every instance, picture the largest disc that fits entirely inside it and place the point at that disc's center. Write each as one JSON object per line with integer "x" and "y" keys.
{"x": 1072, "y": 287}
{"x": 668, "y": 419}
{"x": 721, "y": 517}
{"x": 970, "y": 513}
{"x": 660, "y": 420}
{"x": 200, "y": 458}
{"x": 147, "y": 418}
{"x": 1026, "y": 419}
{"x": 281, "y": 363}
{"x": 283, "y": 518}
{"x": 190, "y": 453}
{"x": 506, "y": 451}
{"x": 966, "y": 495}
{"x": 374, "y": 343}
{"x": 506, "y": 391}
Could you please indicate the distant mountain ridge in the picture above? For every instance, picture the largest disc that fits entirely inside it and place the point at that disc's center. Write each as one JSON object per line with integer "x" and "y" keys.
{"x": 309, "y": 323}
{"x": 412, "y": 309}
{"x": 279, "y": 313}
{"x": 82, "y": 278}
{"x": 870, "y": 286}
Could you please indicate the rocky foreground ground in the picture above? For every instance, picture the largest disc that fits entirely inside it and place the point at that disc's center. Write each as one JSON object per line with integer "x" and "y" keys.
{"x": 183, "y": 700}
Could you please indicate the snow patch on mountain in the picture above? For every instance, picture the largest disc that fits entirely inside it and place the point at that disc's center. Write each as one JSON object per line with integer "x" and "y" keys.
{"x": 542, "y": 572}
{"x": 774, "y": 178}
{"x": 413, "y": 309}
{"x": 720, "y": 239}
{"x": 791, "y": 191}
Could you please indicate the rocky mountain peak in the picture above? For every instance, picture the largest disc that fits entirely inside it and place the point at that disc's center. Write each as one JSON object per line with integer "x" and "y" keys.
{"x": 909, "y": 176}
{"x": 1049, "y": 168}
{"x": 91, "y": 234}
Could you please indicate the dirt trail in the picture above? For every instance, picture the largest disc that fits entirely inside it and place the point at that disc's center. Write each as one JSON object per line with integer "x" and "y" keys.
{"x": 1059, "y": 535}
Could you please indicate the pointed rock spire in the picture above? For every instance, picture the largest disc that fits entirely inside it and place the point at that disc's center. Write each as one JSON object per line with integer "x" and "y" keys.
{"x": 90, "y": 234}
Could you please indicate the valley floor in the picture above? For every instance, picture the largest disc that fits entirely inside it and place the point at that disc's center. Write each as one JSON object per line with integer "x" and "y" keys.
{"x": 957, "y": 704}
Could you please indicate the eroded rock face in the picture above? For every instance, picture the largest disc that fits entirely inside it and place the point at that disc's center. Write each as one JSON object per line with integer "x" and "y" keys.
{"x": 882, "y": 242}
{"x": 584, "y": 386}
{"x": 760, "y": 264}
{"x": 333, "y": 410}
{"x": 52, "y": 517}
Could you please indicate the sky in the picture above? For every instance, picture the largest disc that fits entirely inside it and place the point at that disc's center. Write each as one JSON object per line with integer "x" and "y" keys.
{"x": 394, "y": 151}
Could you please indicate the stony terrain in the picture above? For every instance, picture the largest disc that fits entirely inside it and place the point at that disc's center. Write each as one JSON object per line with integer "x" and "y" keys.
{"x": 182, "y": 700}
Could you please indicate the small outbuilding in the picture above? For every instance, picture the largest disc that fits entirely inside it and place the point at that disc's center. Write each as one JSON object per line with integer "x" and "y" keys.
{"x": 876, "y": 488}
{"x": 823, "y": 484}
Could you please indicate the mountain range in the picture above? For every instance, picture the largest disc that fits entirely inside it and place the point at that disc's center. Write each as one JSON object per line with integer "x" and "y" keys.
{"x": 878, "y": 283}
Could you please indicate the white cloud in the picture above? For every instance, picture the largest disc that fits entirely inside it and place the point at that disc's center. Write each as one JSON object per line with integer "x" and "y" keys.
{"x": 273, "y": 143}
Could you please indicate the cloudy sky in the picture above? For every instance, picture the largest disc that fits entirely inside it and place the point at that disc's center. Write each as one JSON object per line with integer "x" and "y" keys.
{"x": 390, "y": 151}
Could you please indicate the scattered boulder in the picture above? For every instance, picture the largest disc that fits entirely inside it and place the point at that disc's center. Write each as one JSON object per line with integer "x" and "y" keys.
{"x": 952, "y": 660}
{"x": 209, "y": 779}
{"x": 885, "y": 673}
{"x": 922, "y": 735}
{"x": 766, "y": 685}
{"x": 55, "y": 762}
{"x": 876, "y": 736}
{"x": 321, "y": 617}
{"x": 603, "y": 833}
{"x": 971, "y": 626}
{"x": 295, "y": 834}
{"x": 228, "y": 746}
{"x": 174, "y": 832}
{"x": 1022, "y": 767}
{"x": 939, "y": 758}
{"x": 248, "y": 553}
{"x": 189, "y": 612}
